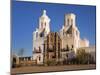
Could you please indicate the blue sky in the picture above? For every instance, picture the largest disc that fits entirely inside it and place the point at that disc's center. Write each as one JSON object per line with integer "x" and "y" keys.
{"x": 25, "y": 17}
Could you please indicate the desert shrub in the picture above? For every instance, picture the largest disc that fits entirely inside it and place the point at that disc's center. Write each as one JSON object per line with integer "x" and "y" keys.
{"x": 84, "y": 57}
{"x": 51, "y": 62}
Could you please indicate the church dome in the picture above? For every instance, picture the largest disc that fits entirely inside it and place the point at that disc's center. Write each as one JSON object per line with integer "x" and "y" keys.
{"x": 44, "y": 16}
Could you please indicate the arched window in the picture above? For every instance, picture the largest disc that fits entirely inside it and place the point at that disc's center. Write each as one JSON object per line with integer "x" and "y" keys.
{"x": 39, "y": 58}
{"x": 71, "y": 21}
{"x": 67, "y": 47}
{"x": 72, "y": 46}
{"x": 39, "y": 49}
{"x": 45, "y": 24}
{"x": 68, "y": 21}
{"x": 41, "y": 34}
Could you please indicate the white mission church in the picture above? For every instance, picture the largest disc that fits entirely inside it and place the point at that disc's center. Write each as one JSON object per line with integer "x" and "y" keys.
{"x": 69, "y": 35}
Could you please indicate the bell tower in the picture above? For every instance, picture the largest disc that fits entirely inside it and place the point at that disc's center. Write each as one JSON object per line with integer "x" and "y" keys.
{"x": 44, "y": 22}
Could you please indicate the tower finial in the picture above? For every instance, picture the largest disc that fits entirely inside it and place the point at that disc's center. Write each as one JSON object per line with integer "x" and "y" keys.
{"x": 44, "y": 11}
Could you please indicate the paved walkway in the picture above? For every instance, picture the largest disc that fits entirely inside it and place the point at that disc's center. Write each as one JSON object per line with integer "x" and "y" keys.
{"x": 34, "y": 69}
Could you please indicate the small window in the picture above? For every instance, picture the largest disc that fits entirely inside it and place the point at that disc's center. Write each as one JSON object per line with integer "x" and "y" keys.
{"x": 67, "y": 55}
{"x": 45, "y": 23}
{"x": 67, "y": 47}
{"x": 68, "y": 21}
{"x": 39, "y": 58}
{"x": 39, "y": 49}
{"x": 72, "y": 46}
{"x": 42, "y": 34}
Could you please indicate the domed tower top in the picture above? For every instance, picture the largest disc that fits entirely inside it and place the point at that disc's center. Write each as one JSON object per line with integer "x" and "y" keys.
{"x": 44, "y": 16}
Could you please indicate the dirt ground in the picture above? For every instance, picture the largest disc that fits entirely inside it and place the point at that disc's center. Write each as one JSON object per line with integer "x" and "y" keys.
{"x": 35, "y": 69}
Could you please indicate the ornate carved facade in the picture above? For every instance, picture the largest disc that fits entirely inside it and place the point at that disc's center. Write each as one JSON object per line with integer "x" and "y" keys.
{"x": 52, "y": 47}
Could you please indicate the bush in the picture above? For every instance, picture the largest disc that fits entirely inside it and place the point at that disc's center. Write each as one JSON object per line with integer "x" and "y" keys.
{"x": 51, "y": 62}
{"x": 83, "y": 57}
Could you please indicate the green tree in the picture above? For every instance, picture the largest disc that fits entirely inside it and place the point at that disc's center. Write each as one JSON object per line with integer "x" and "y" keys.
{"x": 83, "y": 57}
